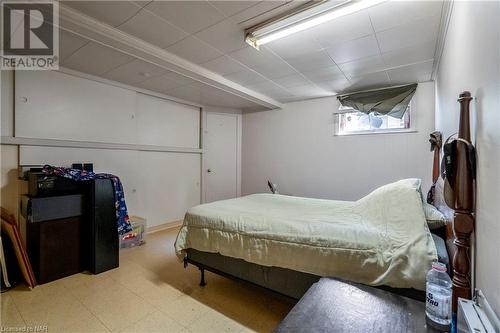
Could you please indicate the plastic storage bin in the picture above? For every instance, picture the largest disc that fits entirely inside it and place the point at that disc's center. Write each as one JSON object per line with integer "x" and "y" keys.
{"x": 136, "y": 236}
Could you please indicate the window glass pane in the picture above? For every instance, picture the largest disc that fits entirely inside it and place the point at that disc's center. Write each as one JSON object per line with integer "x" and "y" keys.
{"x": 358, "y": 122}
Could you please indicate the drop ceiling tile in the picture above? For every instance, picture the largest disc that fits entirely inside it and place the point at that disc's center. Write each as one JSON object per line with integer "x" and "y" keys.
{"x": 324, "y": 73}
{"x": 354, "y": 49}
{"x": 194, "y": 50}
{"x": 230, "y": 8}
{"x": 280, "y": 96}
{"x": 266, "y": 86}
{"x": 113, "y": 13}
{"x": 336, "y": 85}
{"x": 223, "y": 65}
{"x": 191, "y": 16}
{"x": 263, "y": 61}
{"x": 409, "y": 55}
{"x": 308, "y": 91}
{"x": 394, "y": 13}
{"x": 259, "y": 12}
{"x": 245, "y": 77}
{"x": 295, "y": 45}
{"x": 311, "y": 61}
{"x": 413, "y": 73}
{"x": 96, "y": 59}
{"x": 134, "y": 72}
{"x": 226, "y": 36}
{"x": 179, "y": 79}
{"x": 413, "y": 33}
{"x": 269, "y": 88}
{"x": 153, "y": 29}
{"x": 158, "y": 83}
{"x": 363, "y": 66}
{"x": 188, "y": 92}
{"x": 69, "y": 43}
{"x": 293, "y": 80}
{"x": 369, "y": 81}
{"x": 343, "y": 29}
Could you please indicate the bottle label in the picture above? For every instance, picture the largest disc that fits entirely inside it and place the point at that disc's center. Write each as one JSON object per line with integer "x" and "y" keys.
{"x": 438, "y": 305}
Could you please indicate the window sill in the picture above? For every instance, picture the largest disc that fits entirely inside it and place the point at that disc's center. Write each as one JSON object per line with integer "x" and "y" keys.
{"x": 402, "y": 131}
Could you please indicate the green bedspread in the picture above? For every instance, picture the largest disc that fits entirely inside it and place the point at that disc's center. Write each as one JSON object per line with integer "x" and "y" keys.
{"x": 381, "y": 239}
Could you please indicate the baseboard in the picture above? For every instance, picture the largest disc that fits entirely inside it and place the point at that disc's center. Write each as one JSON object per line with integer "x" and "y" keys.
{"x": 164, "y": 226}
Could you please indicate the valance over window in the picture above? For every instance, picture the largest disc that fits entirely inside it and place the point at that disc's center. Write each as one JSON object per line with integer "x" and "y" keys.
{"x": 390, "y": 101}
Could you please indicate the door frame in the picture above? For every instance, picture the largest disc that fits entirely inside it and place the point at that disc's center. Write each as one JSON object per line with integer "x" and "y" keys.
{"x": 203, "y": 129}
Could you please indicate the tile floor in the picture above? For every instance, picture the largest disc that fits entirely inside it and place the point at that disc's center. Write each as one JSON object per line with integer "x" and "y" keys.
{"x": 149, "y": 292}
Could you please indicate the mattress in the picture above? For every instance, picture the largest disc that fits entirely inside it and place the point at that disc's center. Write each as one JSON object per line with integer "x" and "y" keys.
{"x": 381, "y": 239}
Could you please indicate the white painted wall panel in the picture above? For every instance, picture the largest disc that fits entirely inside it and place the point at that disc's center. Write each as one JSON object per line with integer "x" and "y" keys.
{"x": 166, "y": 123}
{"x": 122, "y": 163}
{"x": 54, "y": 105}
{"x": 470, "y": 61}
{"x": 158, "y": 186}
{"x": 295, "y": 148}
{"x": 7, "y": 103}
{"x": 170, "y": 185}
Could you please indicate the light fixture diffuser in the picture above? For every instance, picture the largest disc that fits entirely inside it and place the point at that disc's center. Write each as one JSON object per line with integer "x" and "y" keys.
{"x": 289, "y": 24}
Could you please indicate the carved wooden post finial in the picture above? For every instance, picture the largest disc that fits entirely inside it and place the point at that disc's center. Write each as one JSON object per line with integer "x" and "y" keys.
{"x": 463, "y": 224}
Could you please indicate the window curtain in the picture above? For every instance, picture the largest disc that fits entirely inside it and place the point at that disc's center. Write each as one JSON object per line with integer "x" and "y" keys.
{"x": 387, "y": 101}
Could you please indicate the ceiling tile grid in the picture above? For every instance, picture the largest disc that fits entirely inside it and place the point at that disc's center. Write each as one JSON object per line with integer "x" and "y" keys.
{"x": 113, "y": 13}
{"x": 391, "y": 43}
{"x": 153, "y": 29}
{"x": 194, "y": 50}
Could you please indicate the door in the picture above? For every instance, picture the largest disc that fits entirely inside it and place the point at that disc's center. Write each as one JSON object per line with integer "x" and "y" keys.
{"x": 221, "y": 156}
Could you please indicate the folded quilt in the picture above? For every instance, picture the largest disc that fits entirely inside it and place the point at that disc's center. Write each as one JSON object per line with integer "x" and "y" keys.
{"x": 381, "y": 239}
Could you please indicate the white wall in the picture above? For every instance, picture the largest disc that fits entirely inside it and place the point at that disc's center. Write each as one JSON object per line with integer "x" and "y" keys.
{"x": 295, "y": 148}
{"x": 470, "y": 61}
{"x": 159, "y": 185}
{"x": 8, "y": 154}
{"x": 55, "y": 105}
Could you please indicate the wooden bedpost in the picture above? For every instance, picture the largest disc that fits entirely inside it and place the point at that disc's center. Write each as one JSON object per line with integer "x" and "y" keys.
{"x": 436, "y": 137}
{"x": 436, "y": 143}
{"x": 463, "y": 223}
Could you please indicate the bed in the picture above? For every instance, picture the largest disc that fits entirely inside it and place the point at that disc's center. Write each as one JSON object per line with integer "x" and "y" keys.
{"x": 286, "y": 244}
{"x": 379, "y": 240}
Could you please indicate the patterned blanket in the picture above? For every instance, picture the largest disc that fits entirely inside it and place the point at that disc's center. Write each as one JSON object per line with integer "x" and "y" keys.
{"x": 82, "y": 175}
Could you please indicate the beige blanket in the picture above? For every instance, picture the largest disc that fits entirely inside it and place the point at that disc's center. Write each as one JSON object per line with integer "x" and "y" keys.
{"x": 381, "y": 239}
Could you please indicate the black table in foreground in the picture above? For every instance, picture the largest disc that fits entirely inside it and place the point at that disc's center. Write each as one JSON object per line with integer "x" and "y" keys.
{"x": 335, "y": 306}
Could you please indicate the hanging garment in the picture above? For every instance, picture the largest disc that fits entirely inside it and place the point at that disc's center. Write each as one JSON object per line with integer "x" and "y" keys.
{"x": 123, "y": 222}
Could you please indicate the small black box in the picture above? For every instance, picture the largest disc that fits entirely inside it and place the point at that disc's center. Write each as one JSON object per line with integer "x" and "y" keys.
{"x": 40, "y": 185}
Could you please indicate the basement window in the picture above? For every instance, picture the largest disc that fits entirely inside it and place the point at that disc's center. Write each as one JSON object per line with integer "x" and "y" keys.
{"x": 355, "y": 122}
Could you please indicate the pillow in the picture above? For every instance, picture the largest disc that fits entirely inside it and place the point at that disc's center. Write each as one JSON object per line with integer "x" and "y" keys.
{"x": 435, "y": 219}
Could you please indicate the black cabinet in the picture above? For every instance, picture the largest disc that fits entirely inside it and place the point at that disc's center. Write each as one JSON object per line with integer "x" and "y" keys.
{"x": 67, "y": 234}
{"x": 102, "y": 234}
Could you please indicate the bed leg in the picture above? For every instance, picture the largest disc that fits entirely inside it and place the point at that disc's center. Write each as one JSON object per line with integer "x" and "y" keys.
{"x": 185, "y": 262}
{"x": 202, "y": 281}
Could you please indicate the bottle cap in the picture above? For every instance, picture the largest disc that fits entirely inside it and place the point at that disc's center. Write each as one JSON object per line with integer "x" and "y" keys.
{"x": 439, "y": 266}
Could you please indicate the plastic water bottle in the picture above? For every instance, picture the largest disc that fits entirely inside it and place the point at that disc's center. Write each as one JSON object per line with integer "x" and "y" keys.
{"x": 438, "y": 297}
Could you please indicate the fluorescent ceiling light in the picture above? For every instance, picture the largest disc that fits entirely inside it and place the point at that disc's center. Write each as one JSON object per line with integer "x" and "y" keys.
{"x": 316, "y": 15}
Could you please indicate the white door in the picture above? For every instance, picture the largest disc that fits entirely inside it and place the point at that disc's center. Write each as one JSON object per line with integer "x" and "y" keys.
{"x": 221, "y": 156}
